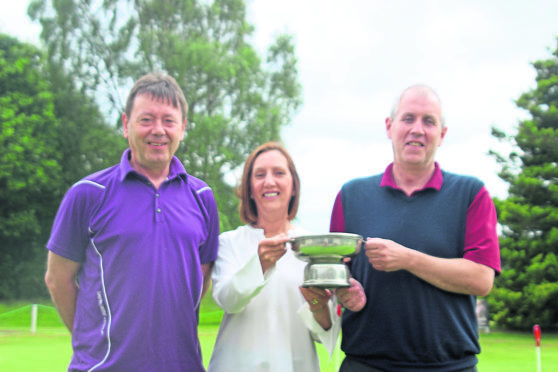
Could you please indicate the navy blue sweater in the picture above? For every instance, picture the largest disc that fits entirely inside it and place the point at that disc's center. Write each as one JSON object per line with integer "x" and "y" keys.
{"x": 408, "y": 324}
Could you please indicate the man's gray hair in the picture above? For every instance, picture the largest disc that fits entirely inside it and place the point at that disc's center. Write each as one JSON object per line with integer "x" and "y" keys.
{"x": 421, "y": 88}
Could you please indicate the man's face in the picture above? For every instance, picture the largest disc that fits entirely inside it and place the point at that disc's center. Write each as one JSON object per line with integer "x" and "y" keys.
{"x": 416, "y": 130}
{"x": 154, "y": 130}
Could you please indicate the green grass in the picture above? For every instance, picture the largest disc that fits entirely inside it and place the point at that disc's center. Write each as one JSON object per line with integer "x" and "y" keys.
{"x": 515, "y": 352}
{"x": 18, "y": 315}
{"x": 50, "y": 348}
{"x": 47, "y": 350}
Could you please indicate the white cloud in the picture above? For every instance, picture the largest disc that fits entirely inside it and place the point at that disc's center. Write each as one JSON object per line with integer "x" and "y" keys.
{"x": 356, "y": 56}
{"x": 14, "y": 21}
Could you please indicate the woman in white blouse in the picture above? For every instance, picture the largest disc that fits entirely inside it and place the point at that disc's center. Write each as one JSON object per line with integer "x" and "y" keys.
{"x": 270, "y": 322}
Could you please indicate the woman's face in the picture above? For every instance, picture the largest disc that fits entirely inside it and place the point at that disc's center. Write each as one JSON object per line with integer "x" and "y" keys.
{"x": 271, "y": 184}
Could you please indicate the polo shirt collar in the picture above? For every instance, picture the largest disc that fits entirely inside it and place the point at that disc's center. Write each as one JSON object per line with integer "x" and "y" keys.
{"x": 435, "y": 181}
{"x": 176, "y": 167}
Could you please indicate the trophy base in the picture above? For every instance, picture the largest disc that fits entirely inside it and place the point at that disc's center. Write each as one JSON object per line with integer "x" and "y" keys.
{"x": 326, "y": 275}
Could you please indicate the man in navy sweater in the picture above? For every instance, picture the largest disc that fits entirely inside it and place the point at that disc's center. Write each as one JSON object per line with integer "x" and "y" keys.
{"x": 431, "y": 248}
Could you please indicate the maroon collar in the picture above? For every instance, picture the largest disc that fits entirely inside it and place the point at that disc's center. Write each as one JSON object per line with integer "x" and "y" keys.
{"x": 435, "y": 181}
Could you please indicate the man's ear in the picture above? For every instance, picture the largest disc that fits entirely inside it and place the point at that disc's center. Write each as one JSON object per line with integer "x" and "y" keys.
{"x": 184, "y": 129}
{"x": 125, "y": 125}
{"x": 388, "y": 127}
{"x": 442, "y": 135}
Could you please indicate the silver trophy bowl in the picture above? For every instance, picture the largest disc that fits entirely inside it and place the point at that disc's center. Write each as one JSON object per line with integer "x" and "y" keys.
{"x": 325, "y": 254}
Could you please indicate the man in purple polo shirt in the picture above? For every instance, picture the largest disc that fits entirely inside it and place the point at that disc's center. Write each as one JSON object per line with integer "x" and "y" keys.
{"x": 132, "y": 246}
{"x": 431, "y": 248}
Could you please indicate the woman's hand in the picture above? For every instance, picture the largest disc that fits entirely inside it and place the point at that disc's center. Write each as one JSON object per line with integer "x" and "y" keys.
{"x": 317, "y": 299}
{"x": 270, "y": 250}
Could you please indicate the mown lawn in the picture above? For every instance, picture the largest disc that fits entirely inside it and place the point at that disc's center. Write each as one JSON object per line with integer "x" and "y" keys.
{"x": 49, "y": 348}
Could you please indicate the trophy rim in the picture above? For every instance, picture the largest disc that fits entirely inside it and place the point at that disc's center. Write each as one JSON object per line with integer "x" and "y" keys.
{"x": 353, "y": 240}
{"x": 329, "y": 235}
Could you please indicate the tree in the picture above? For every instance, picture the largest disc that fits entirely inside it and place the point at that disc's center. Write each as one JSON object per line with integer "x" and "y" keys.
{"x": 51, "y": 137}
{"x": 29, "y": 162}
{"x": 236, "y": 101}
{"x": 527, "y": 291}
{"x": 87, "y": 142}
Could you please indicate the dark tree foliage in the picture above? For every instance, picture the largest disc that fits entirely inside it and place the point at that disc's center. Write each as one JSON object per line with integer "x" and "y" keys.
{"x": 527, "y": 291}
{"x": 51, "y": 136}
{"x": 29, "y": 162}
{"x": 87, "y": 143}
{"x": 236, "y": 100}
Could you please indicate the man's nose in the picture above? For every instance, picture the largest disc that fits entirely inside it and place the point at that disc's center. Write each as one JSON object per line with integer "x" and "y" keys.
{"x": 158, "y": 127}
{"x": 417, "y": 126}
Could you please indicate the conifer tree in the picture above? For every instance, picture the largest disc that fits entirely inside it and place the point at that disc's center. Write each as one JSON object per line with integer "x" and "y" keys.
{"x": 526, "y": 293}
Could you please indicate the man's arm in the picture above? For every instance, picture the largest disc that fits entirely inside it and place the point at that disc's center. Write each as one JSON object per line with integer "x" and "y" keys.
{"x": 206, "y": 270}
{"x": 61, "y": 282}
{"x": 457, "y": 275}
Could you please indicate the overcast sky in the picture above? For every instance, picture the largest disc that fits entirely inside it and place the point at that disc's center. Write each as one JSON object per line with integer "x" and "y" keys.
{"x": 355, "y": 56}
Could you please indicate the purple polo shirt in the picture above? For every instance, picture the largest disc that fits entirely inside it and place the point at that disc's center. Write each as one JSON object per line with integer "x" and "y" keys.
{"x": 140, "y": 280}
{"x": 481, "y": 239}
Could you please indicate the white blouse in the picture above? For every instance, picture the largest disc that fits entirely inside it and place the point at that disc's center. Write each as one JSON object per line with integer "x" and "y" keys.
{"x": 267, "y": 325}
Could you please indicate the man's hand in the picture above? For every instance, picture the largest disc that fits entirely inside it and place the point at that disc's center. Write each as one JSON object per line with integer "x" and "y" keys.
{"x": 386, "y": 255}
{"x": 352, "y": 298}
